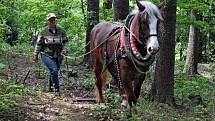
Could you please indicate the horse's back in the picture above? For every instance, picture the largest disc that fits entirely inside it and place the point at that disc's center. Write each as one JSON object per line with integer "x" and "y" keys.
{"x": 99, "y": 35}
{"x": 101, "y": 31}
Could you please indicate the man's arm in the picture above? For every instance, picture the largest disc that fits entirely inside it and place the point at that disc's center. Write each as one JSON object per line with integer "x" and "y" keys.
{"x": 39, "y": 43}
{"x": 65, "y": 43}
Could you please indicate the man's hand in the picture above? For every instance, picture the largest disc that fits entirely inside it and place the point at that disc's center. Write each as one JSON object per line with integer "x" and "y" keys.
{"x": 64, "y": 52}
{"x": 36, "y": 59}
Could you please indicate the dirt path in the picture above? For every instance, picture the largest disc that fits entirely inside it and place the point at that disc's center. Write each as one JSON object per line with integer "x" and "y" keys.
{"x": 46, "y": 106}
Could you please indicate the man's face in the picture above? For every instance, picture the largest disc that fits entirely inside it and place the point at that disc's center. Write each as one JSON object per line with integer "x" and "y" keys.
{"x": 52, "y": 22}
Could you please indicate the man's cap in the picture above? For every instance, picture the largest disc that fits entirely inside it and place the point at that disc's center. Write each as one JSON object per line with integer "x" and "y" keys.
{"x": 51, "y": 15}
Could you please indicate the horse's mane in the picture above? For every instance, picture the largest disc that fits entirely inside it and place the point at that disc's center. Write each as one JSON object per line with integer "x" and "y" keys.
{"x": 151, "y": 9}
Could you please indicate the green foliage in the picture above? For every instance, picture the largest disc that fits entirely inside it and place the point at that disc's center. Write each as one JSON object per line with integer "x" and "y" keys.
{"x": 147, "y": 110}
{"x": 179, "y": 67}
{"x": 109, "y": 111}
{"x": 2, "y": 66}
{"x": 204, "y": 22}
{"x": 23, "y": 48}
{"x": 209, "y": 55}
{"x": 40, "y": 72}
{"x": 200, "y": 86}
{"x": 9, "y": 95}
{"x": 105, "y": 14}
{"x": 211, "y": 71}
{"x": 3, "y": 30}
{"x": 30, "y": 15}
{"x": 89, "y": 84}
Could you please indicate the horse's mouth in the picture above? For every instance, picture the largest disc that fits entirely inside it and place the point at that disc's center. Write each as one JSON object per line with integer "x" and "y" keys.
{"x": 147, "y": 57}
{"x": 143, "y": 55}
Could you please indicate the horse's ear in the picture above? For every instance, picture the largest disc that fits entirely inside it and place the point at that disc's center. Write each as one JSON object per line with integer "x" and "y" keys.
{"x": 140, "y": 6}
{"x": 161, "y": 5}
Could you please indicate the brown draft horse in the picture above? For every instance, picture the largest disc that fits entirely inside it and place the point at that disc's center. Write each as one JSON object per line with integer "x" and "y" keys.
{"x": 125, "y": 52}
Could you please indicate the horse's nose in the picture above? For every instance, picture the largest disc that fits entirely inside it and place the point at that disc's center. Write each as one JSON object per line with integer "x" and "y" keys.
{"x": 153, "y": 50}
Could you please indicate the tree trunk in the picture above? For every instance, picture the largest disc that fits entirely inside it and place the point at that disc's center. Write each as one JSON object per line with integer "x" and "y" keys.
{"x": 92, "y": 20}
{"x": 163, "y": 86}
{"x": 192, "y": 50}
{"x": 121, "y": 9}
{"x": 201, "y": 46}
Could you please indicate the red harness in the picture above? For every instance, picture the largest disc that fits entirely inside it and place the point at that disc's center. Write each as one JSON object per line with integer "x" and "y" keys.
{"x": 122, "y": 41}
{"x": 122, "y": 37}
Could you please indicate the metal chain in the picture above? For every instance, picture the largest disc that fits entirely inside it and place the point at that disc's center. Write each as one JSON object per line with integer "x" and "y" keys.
{"x": 117, "y": 69}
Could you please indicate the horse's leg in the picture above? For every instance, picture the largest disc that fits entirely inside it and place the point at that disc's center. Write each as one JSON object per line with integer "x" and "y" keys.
{"x": 124, "y": 102}
{"x": 131, "y": 98}
{"x": 100, "y": 83}
{"x": 127, "y": 82}
{"x": 137, "y": 85}
{"x": 122, "y": 93}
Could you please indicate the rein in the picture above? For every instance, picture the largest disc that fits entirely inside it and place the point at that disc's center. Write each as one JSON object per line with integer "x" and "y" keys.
{"x": 70, "y": 57}
{"x": 128, "y": 49}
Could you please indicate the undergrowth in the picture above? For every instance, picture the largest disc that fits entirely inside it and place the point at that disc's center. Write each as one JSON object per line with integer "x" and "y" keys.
{"x": 10, "y": 93}
{"x": 199, "y": 108}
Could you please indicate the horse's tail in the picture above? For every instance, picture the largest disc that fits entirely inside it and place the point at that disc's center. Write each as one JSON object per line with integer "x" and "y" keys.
{"x": 100, "y": 84}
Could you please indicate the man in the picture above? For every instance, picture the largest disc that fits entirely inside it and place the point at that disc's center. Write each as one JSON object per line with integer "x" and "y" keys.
{"x": 52, "y": 43}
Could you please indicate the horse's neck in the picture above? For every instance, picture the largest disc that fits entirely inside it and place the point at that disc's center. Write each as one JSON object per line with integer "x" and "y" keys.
{"x": 135, "y": 25}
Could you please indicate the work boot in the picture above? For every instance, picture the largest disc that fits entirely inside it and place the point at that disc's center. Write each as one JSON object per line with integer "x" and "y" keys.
{"x": 57, "y": 93}
{"x": 51, "y": 89}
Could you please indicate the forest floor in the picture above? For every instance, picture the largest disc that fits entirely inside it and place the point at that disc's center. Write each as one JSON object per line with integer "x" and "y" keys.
{"x": 77, "y": 95}
{"x": 77, "y": 101}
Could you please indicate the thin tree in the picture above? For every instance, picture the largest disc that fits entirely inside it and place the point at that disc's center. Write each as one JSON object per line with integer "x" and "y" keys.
{"x": 92, "y": 20}
{"x": 191, "y": 63}
{"x": 163, "y": 86}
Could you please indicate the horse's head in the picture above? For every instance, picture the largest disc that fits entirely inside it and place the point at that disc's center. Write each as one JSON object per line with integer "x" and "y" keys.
{"x": 148, "y": 16}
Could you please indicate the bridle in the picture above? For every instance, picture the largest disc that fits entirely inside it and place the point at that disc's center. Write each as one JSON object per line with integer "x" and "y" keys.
{"x": 139, "y": 61}
{"x": 151, "y": 35}
{"x": 141, "y": 21}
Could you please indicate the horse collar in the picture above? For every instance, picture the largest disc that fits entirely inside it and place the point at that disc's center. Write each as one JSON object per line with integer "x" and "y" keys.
{"x": 127, "y": 44}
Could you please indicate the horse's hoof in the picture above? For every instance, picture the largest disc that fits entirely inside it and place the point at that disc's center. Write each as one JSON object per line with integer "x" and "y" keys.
{"x": 124, "y": 104}
{"x": 102, "y": 105}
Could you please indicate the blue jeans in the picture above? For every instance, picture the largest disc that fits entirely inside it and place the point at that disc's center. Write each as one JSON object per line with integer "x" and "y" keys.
{"x": 54, "y": 66}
